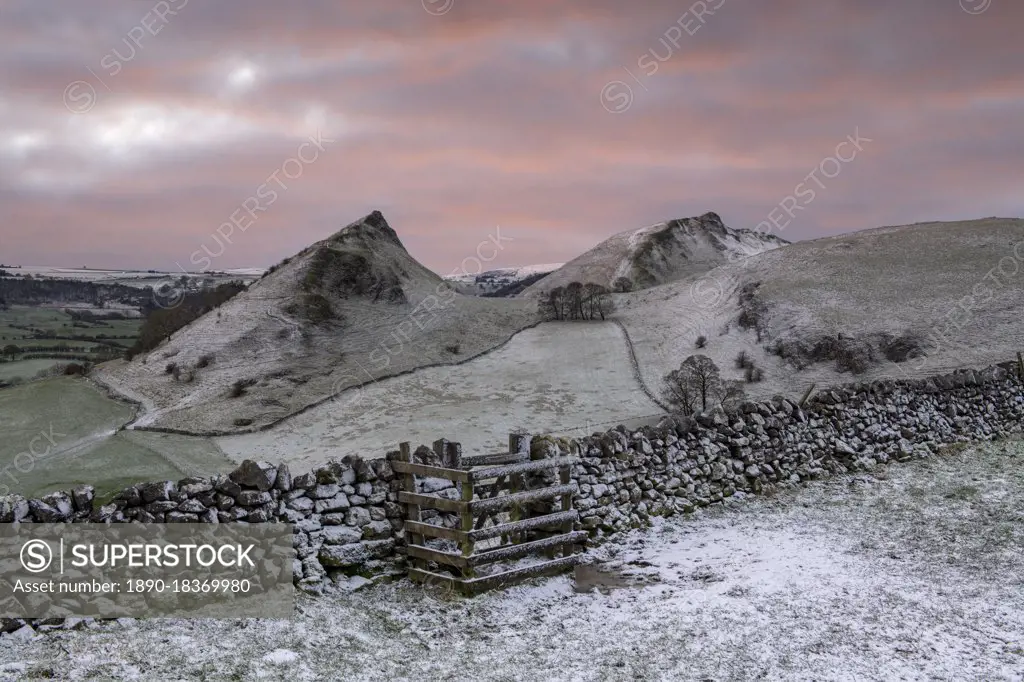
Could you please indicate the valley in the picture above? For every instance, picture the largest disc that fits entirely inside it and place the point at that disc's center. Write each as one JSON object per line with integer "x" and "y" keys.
{"x": 401, "y": 355}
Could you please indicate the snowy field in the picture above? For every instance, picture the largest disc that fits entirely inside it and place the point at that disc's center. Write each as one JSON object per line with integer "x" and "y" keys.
{"x": 914, "y": 574}
{"x": 565, "y": 378}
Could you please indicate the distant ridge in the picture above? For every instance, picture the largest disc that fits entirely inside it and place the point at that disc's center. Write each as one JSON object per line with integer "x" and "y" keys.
{"x": 502, "y": 282}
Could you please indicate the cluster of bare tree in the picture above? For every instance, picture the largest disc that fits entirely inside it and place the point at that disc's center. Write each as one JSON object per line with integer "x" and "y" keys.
{"x": 697, "y": 385}
{"x": 577, "y": 301}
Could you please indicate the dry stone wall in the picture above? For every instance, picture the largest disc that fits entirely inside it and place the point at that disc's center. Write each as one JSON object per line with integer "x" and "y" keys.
{"x": 625, "y": 477}
{"x": 346, "y": 517}
{"x": 348, "y": 521}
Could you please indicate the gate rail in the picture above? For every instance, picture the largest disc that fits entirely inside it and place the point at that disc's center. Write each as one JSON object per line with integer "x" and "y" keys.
{"x": 490, "y": 488}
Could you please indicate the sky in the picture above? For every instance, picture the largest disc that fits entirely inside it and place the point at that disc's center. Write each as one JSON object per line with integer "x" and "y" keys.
{"x": 197, "y": 134}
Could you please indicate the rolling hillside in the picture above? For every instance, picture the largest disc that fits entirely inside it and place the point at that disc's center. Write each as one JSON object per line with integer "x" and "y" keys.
{"x": 345, "y": 311}
{"x": 356, "y": 308}
{"x": 891, "y": 302}
{"x": 660, "y": 253}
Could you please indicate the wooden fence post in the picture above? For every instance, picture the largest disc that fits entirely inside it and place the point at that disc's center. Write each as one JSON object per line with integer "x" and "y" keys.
{"x": 516, "y": 442}
{"x": 514, "y": 514}
{"x": 455, "y": 455}
{"x": 441, "y": 450}
{"x": 565, "y": 477}
{"x": 467, "y": 525}
{"x": 412, "y": 512}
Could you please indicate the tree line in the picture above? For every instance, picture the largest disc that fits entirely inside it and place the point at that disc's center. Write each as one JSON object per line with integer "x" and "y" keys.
{"x": 30, "y": 290}
{"x": 577, "y": 301}
{"x": 160, "y": 323}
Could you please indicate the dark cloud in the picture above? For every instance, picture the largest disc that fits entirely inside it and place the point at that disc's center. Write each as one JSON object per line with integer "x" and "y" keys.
{"x": 491, "y": 115}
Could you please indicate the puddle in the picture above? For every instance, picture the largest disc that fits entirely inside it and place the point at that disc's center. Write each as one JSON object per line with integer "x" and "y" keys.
{"x": 604, "y": 578}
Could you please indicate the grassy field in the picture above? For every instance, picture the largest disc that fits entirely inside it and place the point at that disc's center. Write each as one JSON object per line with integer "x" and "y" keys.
{"x": 24, "y": 369}
{"x": 76, "y": 346}
{"x": 15, "y": 318}
{"x": 19, "y": 324}
{"x": 68, "y": 427}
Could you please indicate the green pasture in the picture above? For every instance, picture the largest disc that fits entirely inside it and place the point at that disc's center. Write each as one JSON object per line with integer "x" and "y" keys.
{"x": 62, "y": 432}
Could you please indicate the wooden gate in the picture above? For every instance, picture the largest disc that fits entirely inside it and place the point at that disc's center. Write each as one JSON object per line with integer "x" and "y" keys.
{"x": 507, "y": 512}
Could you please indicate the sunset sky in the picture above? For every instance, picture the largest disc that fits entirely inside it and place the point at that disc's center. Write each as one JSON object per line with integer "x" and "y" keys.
{"x": 130, "y": 132}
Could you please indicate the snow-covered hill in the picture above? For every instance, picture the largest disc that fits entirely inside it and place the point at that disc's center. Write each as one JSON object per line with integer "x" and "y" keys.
{"x": 891, "y": 302}
{"x": 660, "y": 253}
{"x": 345, "y": 311}
{"x": 804, "y": 313}
{"x": 501, "y": 281}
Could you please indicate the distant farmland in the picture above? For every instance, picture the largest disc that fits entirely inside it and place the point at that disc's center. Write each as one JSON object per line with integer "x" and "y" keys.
{"x": 33, "y": 339}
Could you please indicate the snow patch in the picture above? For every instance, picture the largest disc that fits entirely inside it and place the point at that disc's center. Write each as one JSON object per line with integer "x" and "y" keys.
{"x": 281, "y": 657}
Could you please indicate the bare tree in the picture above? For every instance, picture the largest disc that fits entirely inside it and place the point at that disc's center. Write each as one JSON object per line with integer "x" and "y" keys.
{"x": 605, "y": 305}
{"x": 597, "y": 301}
{"x": 706, "y": 375}
{"x": 732, "y": 393}
{"x": 696, "y": 382}
{"x": 545, "y": 309}
{"x": 552, "y": 304}
{"x": 622, "y": 285}
{"x": 753, "y": 374}
{"x": 574, "y": 300}
{"x": 680, "y": 391}
{"x": 590, "y": 292}
{"x": 546, "y": 306}
{"x": 563, "y": 303}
